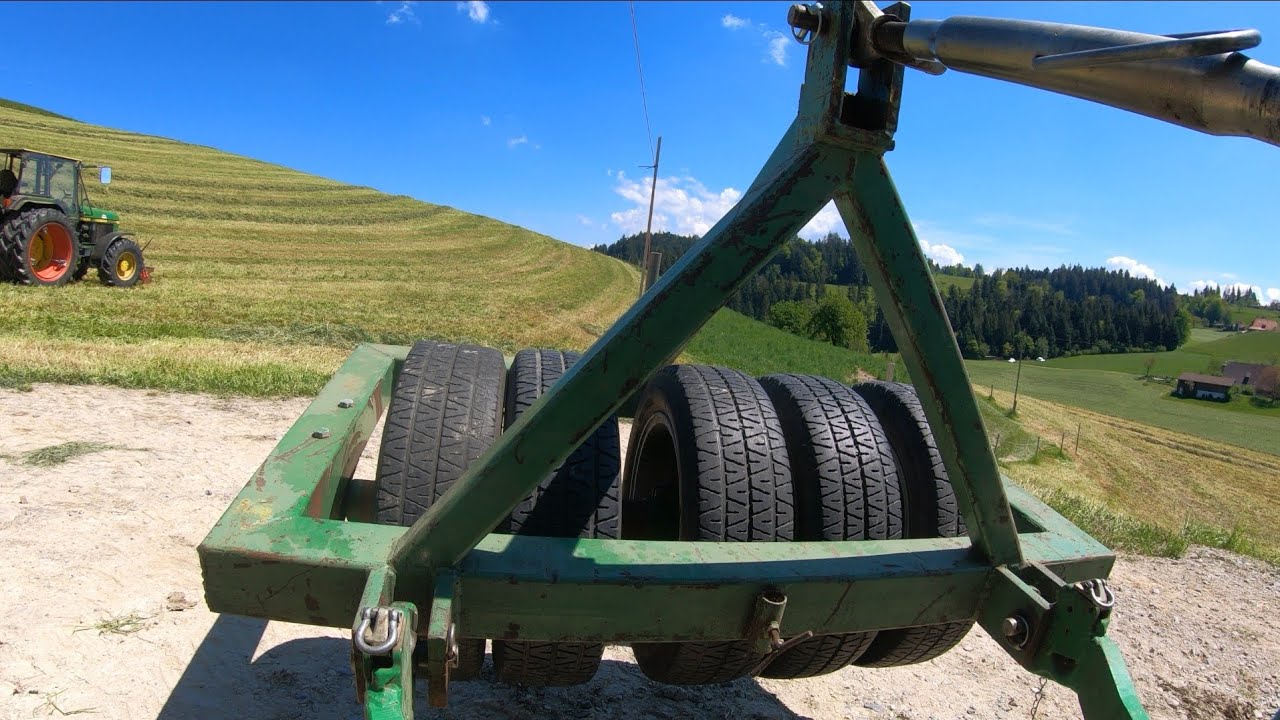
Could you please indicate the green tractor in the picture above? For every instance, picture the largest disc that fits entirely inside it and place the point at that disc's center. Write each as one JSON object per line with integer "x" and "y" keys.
{"x": 50, "y": 234}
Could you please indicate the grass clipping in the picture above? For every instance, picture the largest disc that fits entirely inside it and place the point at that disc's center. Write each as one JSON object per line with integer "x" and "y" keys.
{"x": 59, "y": 454}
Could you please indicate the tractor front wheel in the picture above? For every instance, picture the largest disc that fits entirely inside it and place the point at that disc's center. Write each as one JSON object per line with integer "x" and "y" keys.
{"x": 38, "y": 247}
{"x": 121, "y": 264}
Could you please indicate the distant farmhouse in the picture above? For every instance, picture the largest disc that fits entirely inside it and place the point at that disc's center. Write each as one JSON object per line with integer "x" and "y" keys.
{"x": 1204, "y": 387}
{"x": 1242, "y": 373}
{"x": 1264, "y": 324}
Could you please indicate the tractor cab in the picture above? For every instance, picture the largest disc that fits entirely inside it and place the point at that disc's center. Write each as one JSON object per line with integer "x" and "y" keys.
{"x": 50, "y": 233}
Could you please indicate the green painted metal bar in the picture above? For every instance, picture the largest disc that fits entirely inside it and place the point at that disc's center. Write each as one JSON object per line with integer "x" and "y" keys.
{"x": 1103, "y": 684}
{"x": 882, "y": 234}
{"x": 644, "y": 339}
{"x": 319, "y": 580}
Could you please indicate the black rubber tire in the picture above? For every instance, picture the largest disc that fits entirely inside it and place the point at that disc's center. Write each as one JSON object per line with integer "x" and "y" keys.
{"x": 932, "y": 512}
{"x": 707, "y": 444}
{"x": 107, "y": 268}
{"x": 15, "y": 238}
{"x": 446, "y": 409}
{"x": 847, "y": 487}
{"x": 578, "y": 499}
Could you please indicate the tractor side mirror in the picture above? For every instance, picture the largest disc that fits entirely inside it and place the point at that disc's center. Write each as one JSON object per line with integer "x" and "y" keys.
{"x": 104, "y": 175}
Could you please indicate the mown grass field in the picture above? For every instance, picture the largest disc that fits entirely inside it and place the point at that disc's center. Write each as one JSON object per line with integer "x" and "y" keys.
{"x": 265, "y": 278}
{"x": 737, "y": 341}
{"x": 1246, "y": 315}
{"x": 1135, "y": 486}
{"x": 945, "y": 281}
{"x": 1127, "y": 396}
{"x": 1206, "y": 347}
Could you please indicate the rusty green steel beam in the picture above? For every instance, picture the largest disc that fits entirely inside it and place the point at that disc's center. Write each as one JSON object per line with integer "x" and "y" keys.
{"x": 882, "y": 234}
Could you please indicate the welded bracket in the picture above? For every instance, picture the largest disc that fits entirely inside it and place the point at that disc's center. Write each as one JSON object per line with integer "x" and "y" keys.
{"x": 382, "y": 658}
{"x": 1058, "y": 631}
{"x": 442, "y": 637}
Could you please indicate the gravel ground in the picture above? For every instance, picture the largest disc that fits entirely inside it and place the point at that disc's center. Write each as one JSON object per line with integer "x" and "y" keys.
{"x": 110, "y": 537}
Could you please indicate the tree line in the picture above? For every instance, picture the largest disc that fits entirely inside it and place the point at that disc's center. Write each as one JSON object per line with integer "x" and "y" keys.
{"x": 820, "y": 289}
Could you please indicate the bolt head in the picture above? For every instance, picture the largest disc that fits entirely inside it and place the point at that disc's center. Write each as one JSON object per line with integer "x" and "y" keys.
{"x": 321, "y": 433}
{"x": 346, "y": 403}
{"x": 1013, "y": 626}
{"x": 804, "y": 17}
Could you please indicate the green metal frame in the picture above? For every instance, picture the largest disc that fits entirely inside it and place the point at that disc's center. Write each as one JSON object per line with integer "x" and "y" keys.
{"x": 296, "y": 544}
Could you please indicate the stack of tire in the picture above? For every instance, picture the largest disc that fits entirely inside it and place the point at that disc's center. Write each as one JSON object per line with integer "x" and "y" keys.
{"x": 786, "y": 457}
{"x": 715, "y": 455}
{"x": 449, "y": 404}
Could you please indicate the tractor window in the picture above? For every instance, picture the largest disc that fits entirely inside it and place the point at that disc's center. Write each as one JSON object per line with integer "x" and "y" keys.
{"x": 62, "y": 184}
{"x": 32, "y": 180}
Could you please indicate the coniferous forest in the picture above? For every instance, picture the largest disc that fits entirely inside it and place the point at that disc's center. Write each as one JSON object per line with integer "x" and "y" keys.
{"x": 819, "y": 289}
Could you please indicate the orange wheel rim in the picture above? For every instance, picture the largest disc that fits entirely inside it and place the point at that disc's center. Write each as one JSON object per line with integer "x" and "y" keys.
{"x": 51, "y": 252}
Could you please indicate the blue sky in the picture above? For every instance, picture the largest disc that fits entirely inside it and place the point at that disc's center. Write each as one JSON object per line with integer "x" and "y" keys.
{"x": 531, "y": 113}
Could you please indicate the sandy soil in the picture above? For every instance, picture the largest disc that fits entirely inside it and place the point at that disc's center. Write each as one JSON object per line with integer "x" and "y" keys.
{"x": 112, "y": 534}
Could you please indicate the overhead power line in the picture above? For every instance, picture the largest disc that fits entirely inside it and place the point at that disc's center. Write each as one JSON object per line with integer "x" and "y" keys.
{"x": 644, "y": 101}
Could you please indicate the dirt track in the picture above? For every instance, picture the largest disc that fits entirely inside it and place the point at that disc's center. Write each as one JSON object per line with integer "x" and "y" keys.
{"x": 113, "y": 534}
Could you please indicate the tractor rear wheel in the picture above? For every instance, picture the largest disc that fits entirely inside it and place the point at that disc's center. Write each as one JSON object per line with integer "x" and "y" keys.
{"x": 578, "y": 499}
{"x": 932, "y": 512}
{"x": 706, "y": 461}
{"x": 847, "y": 487}
{"x": 121, "y": 264}
{"x": 38, "y": 247}
{"x": 445, "y": 411}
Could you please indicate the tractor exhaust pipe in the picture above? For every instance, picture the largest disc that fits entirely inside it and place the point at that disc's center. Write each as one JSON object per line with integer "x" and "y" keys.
{"x": 1196, "y": 80}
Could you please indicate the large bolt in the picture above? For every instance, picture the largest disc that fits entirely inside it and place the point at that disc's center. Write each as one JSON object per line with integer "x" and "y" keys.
{"x": 346, "y": 403}
{"x": 1016, "y": 630}
{"x": 805, "y": 17}
{"x": 321, "y": 434}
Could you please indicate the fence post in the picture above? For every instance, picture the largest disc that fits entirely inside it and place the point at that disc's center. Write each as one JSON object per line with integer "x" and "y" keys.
{"x": 1077, "y": 450}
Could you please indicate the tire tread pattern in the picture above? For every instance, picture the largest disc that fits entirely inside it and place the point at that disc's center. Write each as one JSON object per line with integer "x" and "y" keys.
{"x": 15, "y": 236}
{"x": 934, "y": 513}
{"x": 577, "y": 499}
{"x": 847, "y": 487}
{"x": 736, "y": 477}
{"x": 445, "y": 411}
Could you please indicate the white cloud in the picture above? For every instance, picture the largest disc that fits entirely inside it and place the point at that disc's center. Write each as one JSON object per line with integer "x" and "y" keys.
{"x": 778, "y": 44}
{"x": 1135, "y": 268}
{"x": 402, "y": 14}
{"x": 1263, "y": 296}
{"x": 941, "y": 254}
{"x": 477, "y": 10}
{"x": 486, "y": 120}
{"x": 827, "y": 220}
{"x": 515, "y": 142}
{"x": 681, "y": 205}
{"x": 583, "y": 219}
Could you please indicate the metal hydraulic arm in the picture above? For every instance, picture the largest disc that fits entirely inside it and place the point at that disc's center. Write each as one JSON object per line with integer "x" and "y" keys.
{"x": 286, "y": 547}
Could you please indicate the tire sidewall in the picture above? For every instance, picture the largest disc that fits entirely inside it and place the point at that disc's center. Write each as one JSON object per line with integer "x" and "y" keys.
{"x": 39, "y": 219}
{"x": 656, "y": 411}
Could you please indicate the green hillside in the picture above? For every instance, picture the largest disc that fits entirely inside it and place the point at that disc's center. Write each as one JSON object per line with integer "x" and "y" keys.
{"x": 1124, "y": 395}
{"x": 735, "y": 340}
{"x": 266, "y": 277}
{"x": 269, "y": 276}
{"x": 945, "y": 281}
{"x": 1204, "y": 349}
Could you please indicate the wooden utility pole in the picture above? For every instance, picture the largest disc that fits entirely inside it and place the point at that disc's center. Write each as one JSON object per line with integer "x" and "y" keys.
{"x": 1016, "y": 383}
{"x": 647, "y": 260}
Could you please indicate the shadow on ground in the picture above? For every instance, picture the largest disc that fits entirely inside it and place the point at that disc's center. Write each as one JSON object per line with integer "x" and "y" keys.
{"x": 311, "y": 678}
